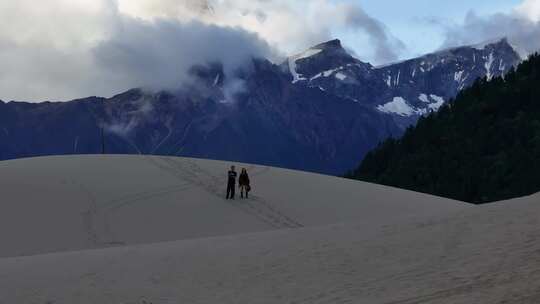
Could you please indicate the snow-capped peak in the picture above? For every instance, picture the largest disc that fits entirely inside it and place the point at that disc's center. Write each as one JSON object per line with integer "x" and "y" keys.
{"x": 319, "y": 60}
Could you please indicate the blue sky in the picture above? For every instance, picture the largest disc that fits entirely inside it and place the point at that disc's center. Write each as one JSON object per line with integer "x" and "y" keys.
{"x": 409, "y": 20}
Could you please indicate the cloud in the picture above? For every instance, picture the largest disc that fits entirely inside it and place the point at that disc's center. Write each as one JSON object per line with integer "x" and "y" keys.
{"x": 48, "y": 56}
{"x": 158, "y": 54}
{"x": 521, "y": 27}
{"x": 291, "y": 26}
{"x": 386, "y": 47}
{"x": 77, "y": 48}
{"x": 530, "y": 9}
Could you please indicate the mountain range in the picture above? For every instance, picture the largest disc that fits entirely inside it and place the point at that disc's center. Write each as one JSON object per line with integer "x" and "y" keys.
{"x": 321, "y": 110}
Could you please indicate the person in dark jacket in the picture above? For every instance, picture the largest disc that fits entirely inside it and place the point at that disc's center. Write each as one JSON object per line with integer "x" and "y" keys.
{"x": 231, "y": 183}
{"x": 243, "y": 182}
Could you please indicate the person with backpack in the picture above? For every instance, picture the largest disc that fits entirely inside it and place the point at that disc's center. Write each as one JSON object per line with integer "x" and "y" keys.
{"x": 231, "y": 183}
{"x": 243, "y": 182}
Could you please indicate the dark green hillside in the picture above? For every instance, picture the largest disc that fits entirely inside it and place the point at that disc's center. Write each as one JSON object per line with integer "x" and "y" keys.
{"x": 484, "y": 146}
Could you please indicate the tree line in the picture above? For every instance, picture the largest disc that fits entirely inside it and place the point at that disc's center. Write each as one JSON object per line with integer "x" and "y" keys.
{"x": 483, "y": 146}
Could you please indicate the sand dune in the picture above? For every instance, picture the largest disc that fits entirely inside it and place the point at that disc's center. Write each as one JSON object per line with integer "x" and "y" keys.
{"x": 317, "y": 239}
{"x": 486, "y": 255}
{"x": 71, "y": 203}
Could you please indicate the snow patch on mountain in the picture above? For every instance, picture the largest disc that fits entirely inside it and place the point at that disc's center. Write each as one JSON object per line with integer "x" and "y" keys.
{"x": 389, "y": 81}
{"x": 458, "y": 76}
{"x": 398, "y": 106}
{"x": 488, "y": 65}
{"x": 292, "y": 69}
{"x": 424, "y": 98}
{"x": 341, "y": 76}
{"x": 426, "y": 66}
{"x": 439, "y": 101}
{"x": 401, "y": 107}
{"x": 292, "y": 63}
{"x": 502, "y": 66}
{"x": 326, "y": 73}
{"x": 216, "y": 80}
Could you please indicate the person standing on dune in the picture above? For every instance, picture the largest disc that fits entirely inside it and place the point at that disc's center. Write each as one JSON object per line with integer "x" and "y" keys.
{"x": 231, "y": 183}
{"x": 243, "y": 182}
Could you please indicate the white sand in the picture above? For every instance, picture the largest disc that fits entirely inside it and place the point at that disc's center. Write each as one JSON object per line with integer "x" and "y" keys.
{"x": 71, "y": 203}
{"x": 359, "y": 243}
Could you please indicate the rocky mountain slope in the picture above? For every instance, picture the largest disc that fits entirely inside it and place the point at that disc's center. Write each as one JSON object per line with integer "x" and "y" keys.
{"x": 407, "y": 89}
{"x": 320, "y": 111}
